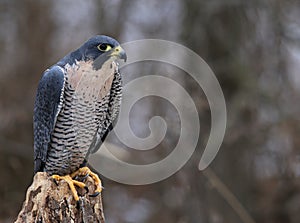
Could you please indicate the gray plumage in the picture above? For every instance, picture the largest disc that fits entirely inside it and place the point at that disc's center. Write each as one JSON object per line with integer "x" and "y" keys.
{"x": 77, "y": 101}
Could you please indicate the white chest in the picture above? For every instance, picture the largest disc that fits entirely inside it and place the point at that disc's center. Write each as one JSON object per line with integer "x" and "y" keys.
{"x": 89, "y": 84}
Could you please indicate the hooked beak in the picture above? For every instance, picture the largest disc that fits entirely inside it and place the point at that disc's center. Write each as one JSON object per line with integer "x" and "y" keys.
{"x": 119, "y": 52}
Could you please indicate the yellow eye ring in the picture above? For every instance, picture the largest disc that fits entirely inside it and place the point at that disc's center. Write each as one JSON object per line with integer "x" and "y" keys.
{"x": 104, "y": 47}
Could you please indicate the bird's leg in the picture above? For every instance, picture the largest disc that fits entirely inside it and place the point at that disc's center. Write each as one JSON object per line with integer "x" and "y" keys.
{"x": 71, "y": 184}
{"x": 86, "y": 171}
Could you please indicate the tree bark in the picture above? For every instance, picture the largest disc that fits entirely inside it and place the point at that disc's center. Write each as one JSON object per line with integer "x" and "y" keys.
{"x": 50, "y": 201}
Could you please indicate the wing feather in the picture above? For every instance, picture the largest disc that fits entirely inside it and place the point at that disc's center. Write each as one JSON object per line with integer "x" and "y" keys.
{"x": 48, "y": 102}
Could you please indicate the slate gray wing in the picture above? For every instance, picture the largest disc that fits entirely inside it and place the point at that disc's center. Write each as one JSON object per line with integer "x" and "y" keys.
{"x": 114, "y": 103}
{"x": 46, "y": 108}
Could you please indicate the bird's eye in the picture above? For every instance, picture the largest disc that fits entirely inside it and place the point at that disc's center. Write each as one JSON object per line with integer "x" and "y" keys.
{"x": 104, "y": 47}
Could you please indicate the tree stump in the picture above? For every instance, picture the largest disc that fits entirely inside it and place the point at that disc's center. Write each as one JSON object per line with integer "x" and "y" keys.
{"x": 48, "y": 201}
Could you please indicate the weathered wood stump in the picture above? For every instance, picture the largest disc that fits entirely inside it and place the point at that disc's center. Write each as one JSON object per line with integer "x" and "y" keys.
{"x": 48, "y": 201}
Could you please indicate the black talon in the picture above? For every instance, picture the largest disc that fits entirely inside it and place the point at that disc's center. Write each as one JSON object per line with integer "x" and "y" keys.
{"x": 55, "y": 182}
{"x": 84, "y": 177}
{"x": 95, "y": 194}
{"x": 81, "y": 178}
{"x": 86, "y": 189}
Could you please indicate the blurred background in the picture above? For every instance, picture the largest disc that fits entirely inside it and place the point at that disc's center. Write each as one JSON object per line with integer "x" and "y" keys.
{"x": 253, "y": 48}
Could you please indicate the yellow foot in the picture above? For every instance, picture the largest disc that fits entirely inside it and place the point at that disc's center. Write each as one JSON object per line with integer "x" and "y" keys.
{"x": 85, "y": 171}
{"x": 71, "y": 184}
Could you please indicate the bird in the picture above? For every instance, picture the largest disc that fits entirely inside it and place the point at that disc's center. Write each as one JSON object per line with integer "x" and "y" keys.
{"x": 77, "y": 102}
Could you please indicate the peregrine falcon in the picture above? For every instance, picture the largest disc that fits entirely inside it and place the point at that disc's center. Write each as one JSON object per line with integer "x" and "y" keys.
{"x": 77, "y": 101}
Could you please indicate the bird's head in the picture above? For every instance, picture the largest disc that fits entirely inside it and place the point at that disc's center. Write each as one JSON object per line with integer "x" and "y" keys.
{"x": 101, "y": 48}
